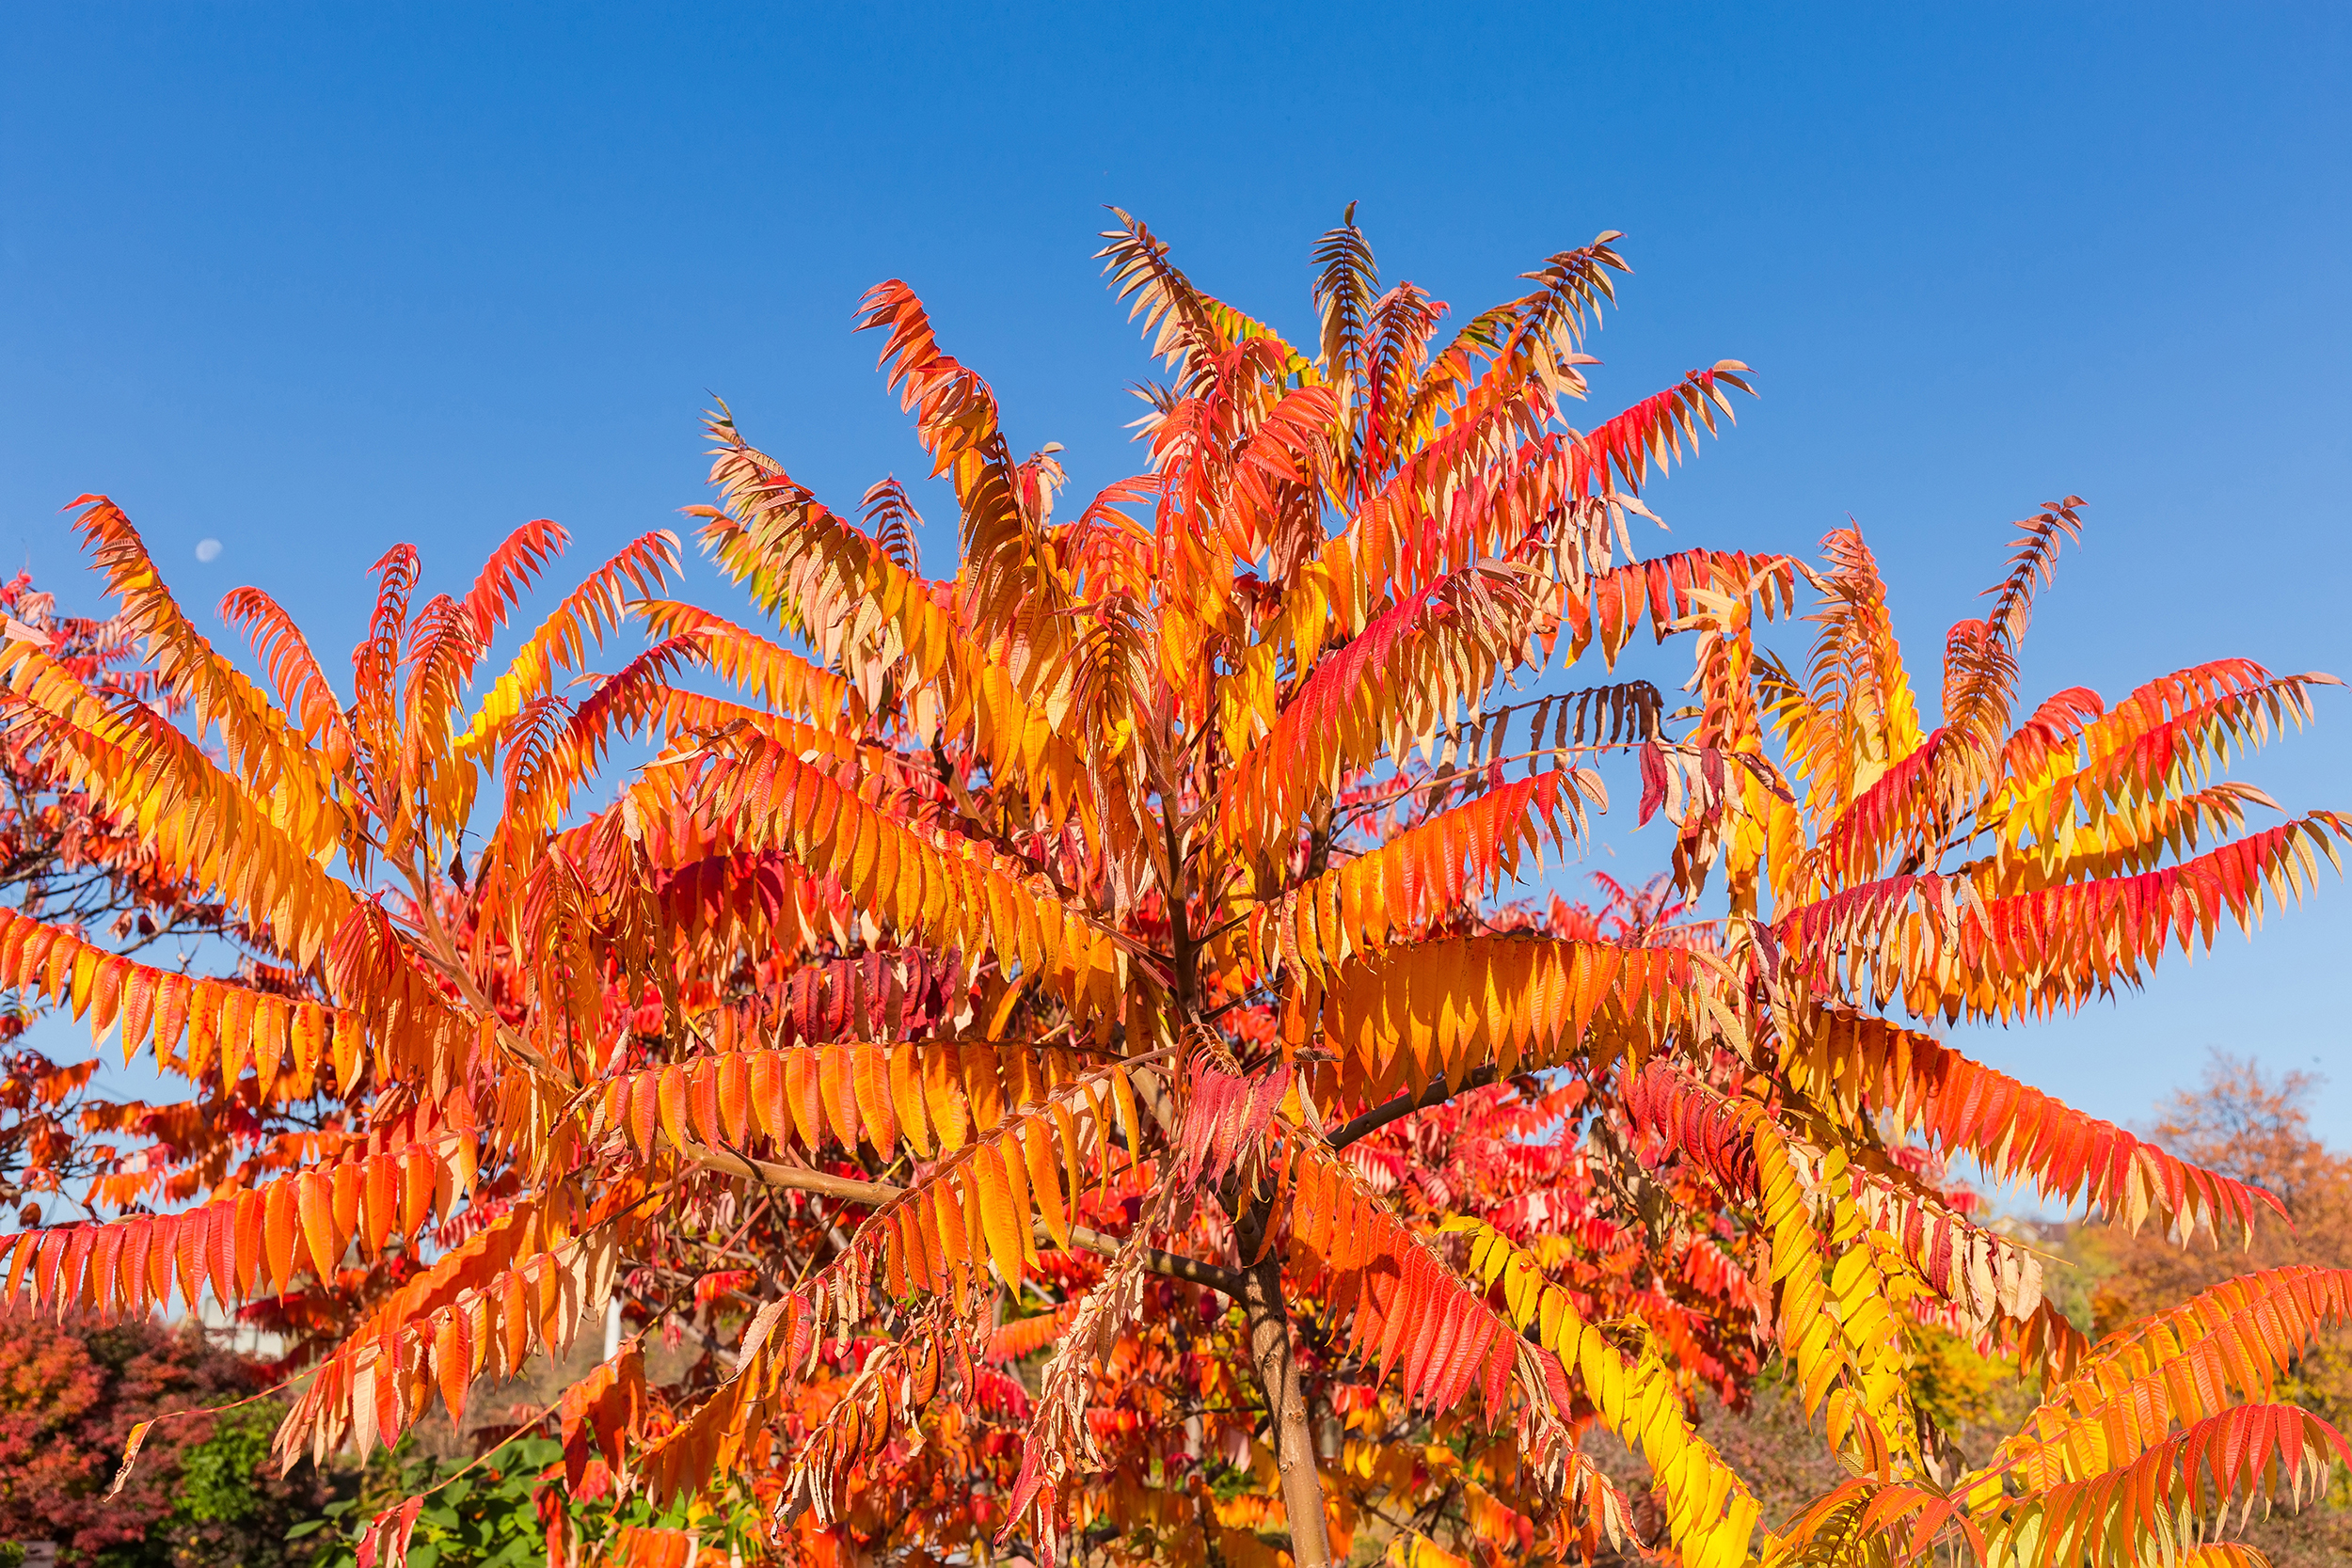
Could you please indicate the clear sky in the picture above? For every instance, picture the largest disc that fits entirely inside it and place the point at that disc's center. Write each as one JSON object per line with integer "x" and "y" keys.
{"x": 308, "y": 280}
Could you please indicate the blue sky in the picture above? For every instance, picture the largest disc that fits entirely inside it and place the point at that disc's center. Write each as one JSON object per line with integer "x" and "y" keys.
{"x": 307, "y": 280}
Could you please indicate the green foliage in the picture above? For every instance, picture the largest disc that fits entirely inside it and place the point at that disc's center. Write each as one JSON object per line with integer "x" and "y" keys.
{"x": 217, "y": 1475}
{"x": 484, "y": 1514}
{"x": 230, "y": 1505}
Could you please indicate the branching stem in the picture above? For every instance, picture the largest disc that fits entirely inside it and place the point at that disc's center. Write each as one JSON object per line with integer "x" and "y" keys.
{"x": 876, "y": 1195}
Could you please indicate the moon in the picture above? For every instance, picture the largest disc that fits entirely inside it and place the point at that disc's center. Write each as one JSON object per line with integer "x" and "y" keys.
{"x": 208, "y": 550}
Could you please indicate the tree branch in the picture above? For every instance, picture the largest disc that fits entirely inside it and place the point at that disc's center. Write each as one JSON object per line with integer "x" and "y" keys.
{"x": 1174, "y": 1265}
{"x": 874, "y": 1194}
{"x": 1404, "y": 1105}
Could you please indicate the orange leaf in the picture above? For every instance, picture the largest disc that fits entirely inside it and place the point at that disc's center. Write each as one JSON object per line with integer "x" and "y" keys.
{"x": 279, "y": 1225}
{"x": 906, "y": 1098}
{"x": 380, "y": 1201}
{"x": 1004, "y": 1224}
{"x": 453, "y": 1359}
{"x": 1036, "y": 1144}
{"x": 418, "y": 1180}
{"x": 315, "y": 1198}
{"x": 673, "y": 1102}
{"x": 873, "y": 1098}
{"x": 735, "y": 1097}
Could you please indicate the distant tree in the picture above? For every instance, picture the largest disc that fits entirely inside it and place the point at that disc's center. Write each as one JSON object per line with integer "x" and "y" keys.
{"x": 2256, "y": 1129}
{"x": 70, "y": 1394}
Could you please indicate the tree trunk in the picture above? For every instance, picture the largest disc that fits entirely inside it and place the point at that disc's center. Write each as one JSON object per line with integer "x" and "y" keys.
{"x": 1270, "y": 1349}
{"x": 1271, "y": 1353}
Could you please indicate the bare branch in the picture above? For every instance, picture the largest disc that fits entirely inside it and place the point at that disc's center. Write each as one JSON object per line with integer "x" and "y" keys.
{"x": 1404, "y": 1105}
{"x": 874, "y": 1194}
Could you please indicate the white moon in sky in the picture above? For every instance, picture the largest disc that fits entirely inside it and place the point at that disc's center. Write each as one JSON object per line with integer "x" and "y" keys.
{"x": 208, "y": 550}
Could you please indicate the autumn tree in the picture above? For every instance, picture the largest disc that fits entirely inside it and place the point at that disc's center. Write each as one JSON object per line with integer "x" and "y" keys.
{"x": 70, "y": 1393}
{"x": 1067, "y": 1043}
{"x": 2254, "y": 1126}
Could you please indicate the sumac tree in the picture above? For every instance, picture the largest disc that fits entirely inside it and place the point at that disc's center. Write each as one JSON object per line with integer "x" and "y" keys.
{"x": 1059, "y": 1038}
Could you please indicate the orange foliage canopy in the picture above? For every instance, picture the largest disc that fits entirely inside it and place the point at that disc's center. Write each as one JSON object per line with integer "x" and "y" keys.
{"x": 1059, "y": 1038}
